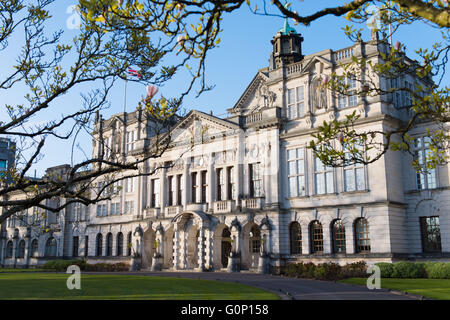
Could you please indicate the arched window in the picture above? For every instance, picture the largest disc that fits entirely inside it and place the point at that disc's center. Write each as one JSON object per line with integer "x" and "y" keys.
{"x": 295, "y": 237}
{"x": 21, "y": 249}
{"x": 255, "y": 240}
{"x": 34, "y": 248}
{"x": 362, "y": 238}
{"x": 109, "y": 244}
{"x": 338, "y": 235}
{"x": 9, "y": 249}
{"x": 50, "y": 247}
{"x": 120, "y": 244}
{"x": 129, "y": 244}
{"x": 99, "y": 245}
{"x": 316, "y": 232}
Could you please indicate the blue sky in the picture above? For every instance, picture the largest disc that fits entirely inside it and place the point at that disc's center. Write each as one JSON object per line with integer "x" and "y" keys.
{"x": 245, "y": 48}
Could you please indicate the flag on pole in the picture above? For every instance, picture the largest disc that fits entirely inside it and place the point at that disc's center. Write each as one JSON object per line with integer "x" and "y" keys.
{"x": 134, "y": 73}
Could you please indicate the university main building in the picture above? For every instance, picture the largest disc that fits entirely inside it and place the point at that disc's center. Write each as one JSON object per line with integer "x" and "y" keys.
{"x": 249, "y": 194}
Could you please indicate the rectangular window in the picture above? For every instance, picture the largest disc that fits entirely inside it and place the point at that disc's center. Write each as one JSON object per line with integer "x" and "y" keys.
{"x": 296, "y": 172}
{"x": 107, "y": 147}
{"x": 352, "y": 98}
{"x": 102, "y": 210}
{"x": 155, "y": 193}
{"x": 75, "y": 246}
{"x": 129, "y": 184}
{"x": 323, "y": 177}
{"x": 86, "y": 246}
{"x": 129, "y": 207}
{"x": 220, "y": 185}
{"x": 3, "y": 164}
{"x": 180, "y": 188}
{"x": 115, "y": 208}
{"x": 130, "y": 141}
{"x": 300, "y": 101}
{"x": 291, "y": 107}
{"x": 354, "y": 178}
{"x": 255, "y": 180}
{"x": 342, "y": 101}
{"x": 171, "y": 189}
{"x": 194, "y": 187}
{"x": 426, "y": 178}
{"x": 431, "y": 234}
{"x": 296, "y": 102}
{"x": 231, "y": 183}
{"x": 204, "y": 186}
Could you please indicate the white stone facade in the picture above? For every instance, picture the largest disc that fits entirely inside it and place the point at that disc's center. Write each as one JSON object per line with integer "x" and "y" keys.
{"x": 238, "y": 184}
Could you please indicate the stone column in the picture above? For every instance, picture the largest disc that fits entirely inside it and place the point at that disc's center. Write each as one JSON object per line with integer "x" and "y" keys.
{"x": 326, "y": 237}
{"x": 27, "y": 251}
{"x": 209, "y": 248}
{"x": 162, "y": 192}
{"x": 184, "y": 249}
{"x": 176, "y": 248}
{"x": 201, "y": 249}
{"x": 211, "y": 183}
{"x": 305, "y": 239}
{"x": 349, "y": 239}
{"x": 186, "y": 190}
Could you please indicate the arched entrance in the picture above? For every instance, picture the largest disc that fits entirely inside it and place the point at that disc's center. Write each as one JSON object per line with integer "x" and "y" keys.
{"x": 149, "y": 248}
{"x": 192, "y": 239}
{"x": 226, "y": 246}
{"x": 169, "y": 248}
{"x": 251, "y": 245}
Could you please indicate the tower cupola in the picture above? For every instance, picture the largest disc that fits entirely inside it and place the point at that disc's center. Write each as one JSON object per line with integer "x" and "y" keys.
{"x": 287, "y": 47}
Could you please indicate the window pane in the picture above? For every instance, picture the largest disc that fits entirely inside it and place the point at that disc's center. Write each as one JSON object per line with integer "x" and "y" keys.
{"x": 360, "y": 181}
{"x": 330, "y": 182}
{"x": 349, "y": 180}
{"x": 320, "y": 183}
{"x": 292, "y": 187}
{"x": 301, "y": 185}
{"x": 300, "y": 93}
{"x": 291, "y": 98}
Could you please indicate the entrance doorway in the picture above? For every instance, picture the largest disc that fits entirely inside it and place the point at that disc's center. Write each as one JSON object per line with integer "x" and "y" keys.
{"x": 226, "y": 246}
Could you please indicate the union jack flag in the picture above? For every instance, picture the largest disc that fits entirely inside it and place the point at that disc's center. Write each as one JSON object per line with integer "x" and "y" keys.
{"x": 134, "y": 73}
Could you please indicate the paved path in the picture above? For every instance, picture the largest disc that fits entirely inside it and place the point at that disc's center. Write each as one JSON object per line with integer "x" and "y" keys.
{"x": 291, "y": 288}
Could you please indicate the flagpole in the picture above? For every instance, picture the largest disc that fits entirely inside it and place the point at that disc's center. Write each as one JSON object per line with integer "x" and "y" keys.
{"x": 125, "y": 96}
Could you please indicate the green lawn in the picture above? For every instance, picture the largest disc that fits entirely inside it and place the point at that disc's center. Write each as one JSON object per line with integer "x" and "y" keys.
{"x": 53, "y": 286}
{"x": 431, "y": 288}
{"x": 9, "y": 270}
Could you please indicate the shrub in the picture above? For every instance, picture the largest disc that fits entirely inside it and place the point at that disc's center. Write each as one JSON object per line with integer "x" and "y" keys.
{"x": 62, "y": 265}
{"x": 354, "y": 270}
{"x": 107, "y": 267}
{"x": 408, "y": 270}
{"x": 438, "y": 270}
{"x": 328, "y": 271}
{"x": 386, "y": 269}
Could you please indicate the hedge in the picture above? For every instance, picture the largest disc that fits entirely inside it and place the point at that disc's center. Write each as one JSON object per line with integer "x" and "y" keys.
{"x": 333, "y": 271}
{"x": 62, "y": 265}
{"x": 325, "y": 271}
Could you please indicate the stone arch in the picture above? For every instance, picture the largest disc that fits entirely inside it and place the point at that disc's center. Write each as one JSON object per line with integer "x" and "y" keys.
{"x": 221, "y": 246}
{"x": 148, "y": 243}
{"x": 251, "y": 242}
{"x": 168, "y": 247}
{"x": 192, "y": 234}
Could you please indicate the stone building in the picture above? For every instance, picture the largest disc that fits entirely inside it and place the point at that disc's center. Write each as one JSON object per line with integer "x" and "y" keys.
{"x": 246, "y": 186}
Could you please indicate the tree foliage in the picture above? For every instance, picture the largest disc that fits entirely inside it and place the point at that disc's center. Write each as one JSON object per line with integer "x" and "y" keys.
{"x": 117, "y": 34}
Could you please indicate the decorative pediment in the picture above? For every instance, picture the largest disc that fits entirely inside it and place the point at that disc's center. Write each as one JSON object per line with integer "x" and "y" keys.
{"x": 255, "y": 96}
{"x": 316, "y": 65}
{"x": 196, "y": 127}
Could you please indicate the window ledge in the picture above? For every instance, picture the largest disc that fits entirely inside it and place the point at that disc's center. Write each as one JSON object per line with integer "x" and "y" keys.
{"x": 297, "y": 198}
{"x": 324, "y": 195}
{"x": 356, "y": 191}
